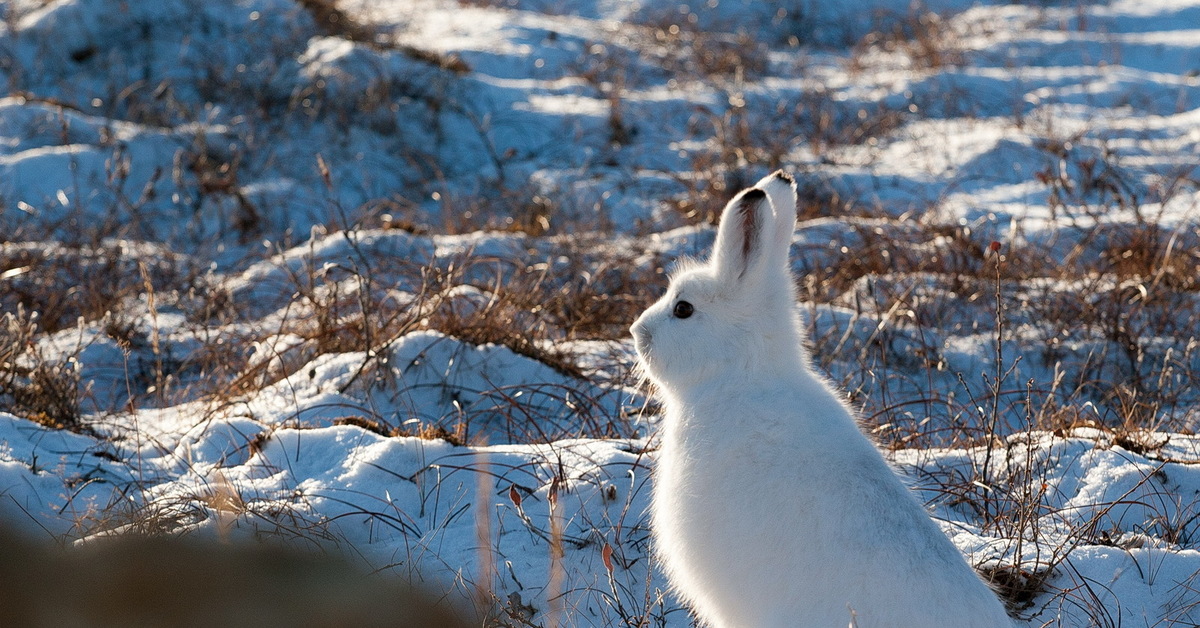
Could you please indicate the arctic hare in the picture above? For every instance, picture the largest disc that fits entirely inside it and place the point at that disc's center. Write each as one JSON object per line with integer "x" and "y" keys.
{"x": 770, "y": 506}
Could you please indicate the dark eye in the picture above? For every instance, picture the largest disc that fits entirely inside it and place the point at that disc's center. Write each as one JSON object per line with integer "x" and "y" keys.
{"x": 683, "y": 309}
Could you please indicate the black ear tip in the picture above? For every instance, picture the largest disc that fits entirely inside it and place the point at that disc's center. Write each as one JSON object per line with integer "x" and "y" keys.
{"x": 753, "y": 194}
{"x": 779, "y": 174}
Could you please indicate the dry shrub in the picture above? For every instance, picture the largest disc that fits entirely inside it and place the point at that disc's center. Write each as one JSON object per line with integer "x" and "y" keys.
{"x": 457, "y": 435}
{"x": 688, "y": 52}
{"x": 1017, "y": 500}
{"x": 1166, "y": 261}
{"x": 520, "y": 208}
{"x": 826, "y": 123}
{"x": 531, "y": 306}
{"x": 31, "y": 385}
{"x": 216, "y": 177}
{"x": 1118, "y": 325}
{"x": 100, "y": 279}
{"x": 678, "y": 45}
{"x": 106, "y": 283}
{"x": 332, "y": 20}
{"x": 35, "y": 277}
{"x": 331, "y": 309}
{"x": 1017, "y": 585}
{"x": 947, "y": 256}
{"x": 706, "y": 193}
{"x": 817, "y": 199}
{"x": 732, "y": 153}
{"x": 535, "y": 308}
{"x": 925, "y": 38}
{"x": 757, "y": 135}
{"x": 1085, "y": 179}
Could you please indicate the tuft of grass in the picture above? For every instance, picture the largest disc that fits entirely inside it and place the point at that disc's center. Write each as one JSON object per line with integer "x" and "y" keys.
{"x": 1017, "y": 585}
{"x": 32, "y": 386}
{"x": 686, "y": 51}
{"x": 926, "y": 39}
{"x": 334, "y": 21}
{"x": 456, "y": 436}
{"x": 533, "y": 309}
{"x": 35, "y": 274}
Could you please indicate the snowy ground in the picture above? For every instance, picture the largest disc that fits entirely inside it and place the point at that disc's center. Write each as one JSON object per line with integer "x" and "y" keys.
{"x": 360, "y": 278}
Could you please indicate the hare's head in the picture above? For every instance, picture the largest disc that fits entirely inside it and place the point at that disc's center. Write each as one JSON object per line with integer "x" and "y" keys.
{"x": 734, "y": 313}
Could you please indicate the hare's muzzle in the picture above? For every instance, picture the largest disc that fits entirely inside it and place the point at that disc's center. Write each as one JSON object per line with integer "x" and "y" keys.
{"x": 641, "y": 337}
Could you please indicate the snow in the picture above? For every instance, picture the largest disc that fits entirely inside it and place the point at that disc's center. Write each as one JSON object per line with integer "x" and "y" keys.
{"x": 266, "y": 164}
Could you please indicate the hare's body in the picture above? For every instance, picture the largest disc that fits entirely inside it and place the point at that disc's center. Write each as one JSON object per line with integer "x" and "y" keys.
{"x": 771, "y": 508}
{"x": 833, "y": 535}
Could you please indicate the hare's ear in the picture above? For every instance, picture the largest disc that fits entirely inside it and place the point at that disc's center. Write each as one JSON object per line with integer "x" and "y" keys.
{"x": 756, "y": 230}
{"x": 744, "y": 234}
{"x": 781, "y": 191}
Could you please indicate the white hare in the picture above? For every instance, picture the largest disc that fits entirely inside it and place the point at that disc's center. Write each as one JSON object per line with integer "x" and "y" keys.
{"x": 771, "y": 508}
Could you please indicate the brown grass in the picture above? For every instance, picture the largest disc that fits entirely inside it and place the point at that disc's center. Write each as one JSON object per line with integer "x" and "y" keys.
{"x": 332, "y": 20}
{"x": 923, "y": 37}
{"x": 31, "y": 385}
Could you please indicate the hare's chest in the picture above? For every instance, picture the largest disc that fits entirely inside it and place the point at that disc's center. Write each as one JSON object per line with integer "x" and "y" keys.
{"x": 721, "y": 523}
{"x": 722, "y": 483}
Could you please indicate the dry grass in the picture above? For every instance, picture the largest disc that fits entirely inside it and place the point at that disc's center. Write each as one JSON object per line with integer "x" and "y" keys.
{"x": 925, "y": 38}
{"x": 332, "y": 20}
{"x": 685, "y": 51}
{"x": 34, "y": 387}
{"x": 756, "y": 135}
{"x": 100, "y": 279}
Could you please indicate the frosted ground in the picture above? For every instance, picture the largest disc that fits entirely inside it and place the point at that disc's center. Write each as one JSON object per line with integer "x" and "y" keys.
{"x": 358, "y": 276}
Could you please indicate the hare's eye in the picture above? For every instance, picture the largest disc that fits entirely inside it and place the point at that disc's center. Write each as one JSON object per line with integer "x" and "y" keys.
{"x": 683, "y": 309}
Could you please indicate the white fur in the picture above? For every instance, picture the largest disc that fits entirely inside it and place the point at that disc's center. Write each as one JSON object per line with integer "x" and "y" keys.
{"x": 771, "y": 508}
